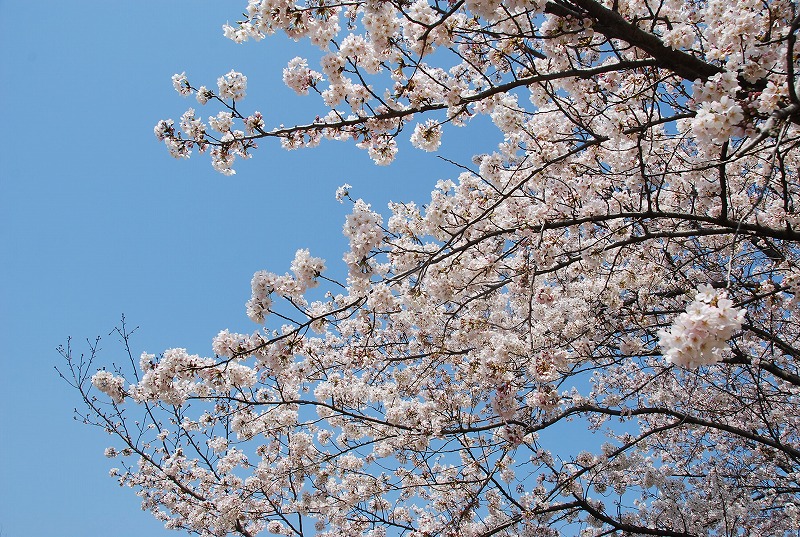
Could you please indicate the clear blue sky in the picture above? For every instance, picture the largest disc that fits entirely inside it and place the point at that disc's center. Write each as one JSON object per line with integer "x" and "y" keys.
{"x": 97, "y": 220}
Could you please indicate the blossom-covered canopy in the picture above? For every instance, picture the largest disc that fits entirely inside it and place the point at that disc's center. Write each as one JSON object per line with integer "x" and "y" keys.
{"x": 622, "y": 270}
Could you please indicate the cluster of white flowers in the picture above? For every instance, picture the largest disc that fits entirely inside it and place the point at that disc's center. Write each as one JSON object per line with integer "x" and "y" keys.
{"x": 109, "y": 384}
{"x": 546, "y": 398}
{"x": 699, "y": 335}
{"x": 716, "y": 121}
{"x": 332, "y": 65}
{"x": 680, "y": 36}
{"x": 218, "y": 444}
{"x": 299, "y": 77}
{"x": 170, "y": 379}
{"x": 181, "y": 84}
{"x": 485, "y": 8}
{"x": 232, "y": 86}
{"x": 363, "y": 228}
{"x": 719, "y": 113}
{"x": 306, "y": 268}
{"x": 427, "y": 136}
{"x": 277, "y": 527}
{"x": 263, "y": 284}
{"x": 222, "y": 122}
{"x": 222, "y": 161}
{"x": 192, "y": 126}
{"x": 254, "y": 123}
{"x": 342, "y": 192}
{"x": 227, "y": 344}
{"x": 164, "y": 128}
{"x": 382, "y": 149}
{"x": 203, "y": 95}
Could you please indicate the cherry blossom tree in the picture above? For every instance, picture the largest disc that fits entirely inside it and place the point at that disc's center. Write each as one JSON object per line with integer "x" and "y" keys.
{"x": 622, "y": 270}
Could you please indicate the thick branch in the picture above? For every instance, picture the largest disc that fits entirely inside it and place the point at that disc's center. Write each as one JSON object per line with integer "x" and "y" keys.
{"x": 612, "y": 25}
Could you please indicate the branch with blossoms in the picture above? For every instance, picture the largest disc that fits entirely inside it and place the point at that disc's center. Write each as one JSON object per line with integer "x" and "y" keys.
{"x": 336, "y": 125}
{"x": 622, "y": 270}
{"x": 430, "y": 88}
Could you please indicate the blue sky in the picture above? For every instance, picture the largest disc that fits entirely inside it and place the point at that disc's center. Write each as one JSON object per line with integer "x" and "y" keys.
{"x": 97, "y": 220}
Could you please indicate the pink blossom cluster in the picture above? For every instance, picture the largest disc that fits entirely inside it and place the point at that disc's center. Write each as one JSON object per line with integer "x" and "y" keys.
{"x": 232, "y": 86}
{"x": 109, "y": 384}
{"x": 363, "y": 228}
{"x": 427, "y": 136}
{"x": 299, "y": 77}
{"x": 700, "y": 334}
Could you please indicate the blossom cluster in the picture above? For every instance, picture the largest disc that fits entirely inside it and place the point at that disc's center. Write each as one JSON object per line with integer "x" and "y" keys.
{"x": 109, "y": 384}
{"x": 427, "y": 136}
{"x": 232, "y": 86}
{"x": 307, "y": 269}
{"x": 700, "y": 334}
{"x": 363, "y": 228}
{"x": 299, "y": 77}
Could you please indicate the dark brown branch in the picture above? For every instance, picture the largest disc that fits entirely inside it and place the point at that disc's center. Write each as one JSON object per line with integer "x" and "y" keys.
{"x": 612, "y": 25}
